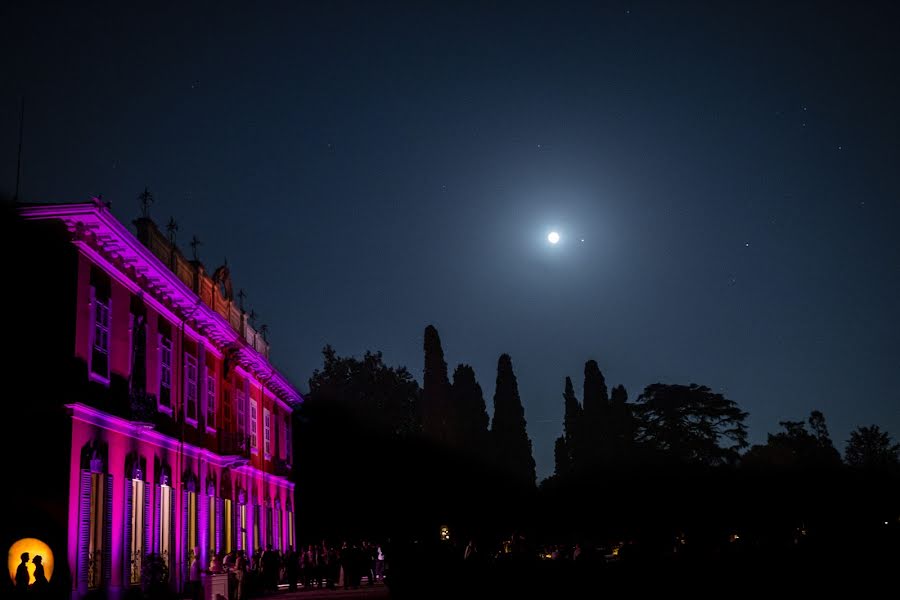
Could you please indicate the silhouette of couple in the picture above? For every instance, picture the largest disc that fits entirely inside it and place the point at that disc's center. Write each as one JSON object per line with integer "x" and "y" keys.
{"x": 23, "y": 577}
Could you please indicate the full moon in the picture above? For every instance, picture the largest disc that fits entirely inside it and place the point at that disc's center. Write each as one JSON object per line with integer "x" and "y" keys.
{"x": 553, "y": 237}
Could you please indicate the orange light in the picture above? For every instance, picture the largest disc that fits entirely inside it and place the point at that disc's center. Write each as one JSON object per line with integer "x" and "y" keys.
{"x": 34, "y": 547}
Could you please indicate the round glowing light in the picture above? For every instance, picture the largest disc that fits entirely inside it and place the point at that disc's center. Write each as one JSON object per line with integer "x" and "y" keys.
{"x": 553, "y": 237}
{"x": 34, "y": 547}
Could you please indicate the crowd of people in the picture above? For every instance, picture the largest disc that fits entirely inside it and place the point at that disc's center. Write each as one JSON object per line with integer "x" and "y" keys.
{"x": 319, "y": 566}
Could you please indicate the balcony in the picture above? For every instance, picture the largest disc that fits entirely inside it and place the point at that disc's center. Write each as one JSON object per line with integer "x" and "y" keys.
{"x": 235, "y": 446}
{"x": 142, "y": 407}
{"x": 281, "y": 467}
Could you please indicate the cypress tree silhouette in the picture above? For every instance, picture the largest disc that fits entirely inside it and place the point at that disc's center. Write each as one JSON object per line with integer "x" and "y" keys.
{"x": 511, "y": 445}
{"x": 470, "y": 411}
{"x": 595, "y": 437}
{"x": 622, "y": 428}
{"x": 567, "y": 446}
{"x": 437, "y": 410}
{"x": 561, "y": 458}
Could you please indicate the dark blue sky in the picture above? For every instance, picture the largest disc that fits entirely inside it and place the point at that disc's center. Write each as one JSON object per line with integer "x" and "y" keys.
{"x": 370, "y": 168}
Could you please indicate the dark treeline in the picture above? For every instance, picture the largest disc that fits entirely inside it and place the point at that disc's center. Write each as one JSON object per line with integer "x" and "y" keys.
{"x": 380, "y": 457}
{"x": 668, "y": 476}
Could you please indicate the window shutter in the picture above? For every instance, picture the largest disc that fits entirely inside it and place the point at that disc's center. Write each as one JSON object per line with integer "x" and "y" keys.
{"x": 84, "y": 528}
{"x": 186, "y": 543}
{"x": 126, "y": 546}
{"x": 157, "y": 513}
{"x": 107, "y": 528}
{"x": 220, "y": 508}
{"x": 173, "y": 552}
{"x": 148, "y": 535}
{"x": 203, "y": 529}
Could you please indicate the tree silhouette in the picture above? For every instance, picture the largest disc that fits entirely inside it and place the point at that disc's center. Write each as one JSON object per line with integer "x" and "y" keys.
{"x": 471, "y": 412}
{"x": 621, "y": 428}
{"x": 561, "y": 458}
{"x": 820, "y": 430}
{"x": 379, "y": 397}
{"x": 795, "y": 447}
{"x": 871, "y": 448}
{"x": 509, "y": 438}
{"x": 566, "y": 449}
{"x": 689, "y": 423}
{"x": 595, "y": 442}
{"x": 438, "y": 419}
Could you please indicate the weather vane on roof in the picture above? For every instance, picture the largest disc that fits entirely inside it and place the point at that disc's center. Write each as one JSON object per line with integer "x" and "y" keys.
{"x": 194, "y": 243}
{"x": 146, "y": 199}
{"x": 172, "y": 228}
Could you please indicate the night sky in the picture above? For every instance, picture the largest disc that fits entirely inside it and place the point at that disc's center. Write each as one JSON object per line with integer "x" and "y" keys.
{"x": 372, "y": 168}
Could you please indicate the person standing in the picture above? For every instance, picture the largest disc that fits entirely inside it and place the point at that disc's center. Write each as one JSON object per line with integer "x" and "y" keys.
{"x": 240, "y": 576}
{"x": 22, "y": 575}
{"x": 39, "y": 587}
{"x": 379, "y": 563}
{"x": 194, "y": 583}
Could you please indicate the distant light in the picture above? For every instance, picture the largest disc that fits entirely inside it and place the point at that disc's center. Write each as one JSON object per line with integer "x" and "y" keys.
{"x": 553, "y": 237}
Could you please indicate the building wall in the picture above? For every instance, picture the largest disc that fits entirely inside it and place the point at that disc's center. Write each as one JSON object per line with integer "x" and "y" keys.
{"x": 105, "y": 431}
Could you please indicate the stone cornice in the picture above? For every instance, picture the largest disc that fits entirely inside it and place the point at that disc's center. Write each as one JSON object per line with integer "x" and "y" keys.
{"x": 92, "y": 224}
{"x": 98, "y": 418}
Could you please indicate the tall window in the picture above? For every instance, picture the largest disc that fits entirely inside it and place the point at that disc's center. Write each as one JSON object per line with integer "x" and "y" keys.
{"x": 290, "y": 524}
{"x": 165, "y": 371}
{"x": 257, "y": 509}
{"x": 242, "y": 524}
{"x": 138, "y": 315}
{"x": 190, "y": 387}
{"x": 100, "y": 349}
{"x": 276, "y": 540}
{"x": 211, "y": 400}
{"x": 241, "y": 399}
{"x": 164, "y": 518}
{"x": 135, "y": 534}
{"x": 211, "y": 524}
{"x": 283, "y": 438}
{"x": 189, "y": 528}
{"x": 253, "y": 425}
{"x": 229, "y": 519}
{"x": 95, "y": 529}
{"x": 226, "y": 409}
{"x": 267, "y": 431}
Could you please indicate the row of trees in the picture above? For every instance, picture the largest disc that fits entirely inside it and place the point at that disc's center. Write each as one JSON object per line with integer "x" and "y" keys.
{"x": 668, "y": 424}
{"x": 692, "y": 425}
{"x": 380, "y": 456}
{"x": 388, "y": 401}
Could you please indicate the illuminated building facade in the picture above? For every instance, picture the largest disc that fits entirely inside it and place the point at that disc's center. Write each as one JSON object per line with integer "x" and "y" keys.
{"x": 171, "y": 425}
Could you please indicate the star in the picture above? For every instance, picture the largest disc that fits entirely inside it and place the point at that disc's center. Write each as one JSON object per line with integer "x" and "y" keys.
{"x": 747, "y": 245}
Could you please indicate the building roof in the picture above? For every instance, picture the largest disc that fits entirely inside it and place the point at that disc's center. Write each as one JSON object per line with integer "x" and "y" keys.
{"x": 96, "y": 231}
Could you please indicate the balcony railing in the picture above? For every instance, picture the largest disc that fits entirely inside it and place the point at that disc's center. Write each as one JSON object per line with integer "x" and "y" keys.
{"x": 281, "y": 467}
{"x": 142, "y": 406}
{"x": 234, "y": 444}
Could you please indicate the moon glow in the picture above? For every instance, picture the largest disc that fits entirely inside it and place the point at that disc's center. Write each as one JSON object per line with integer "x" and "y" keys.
{"x": 553, "y": 237}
